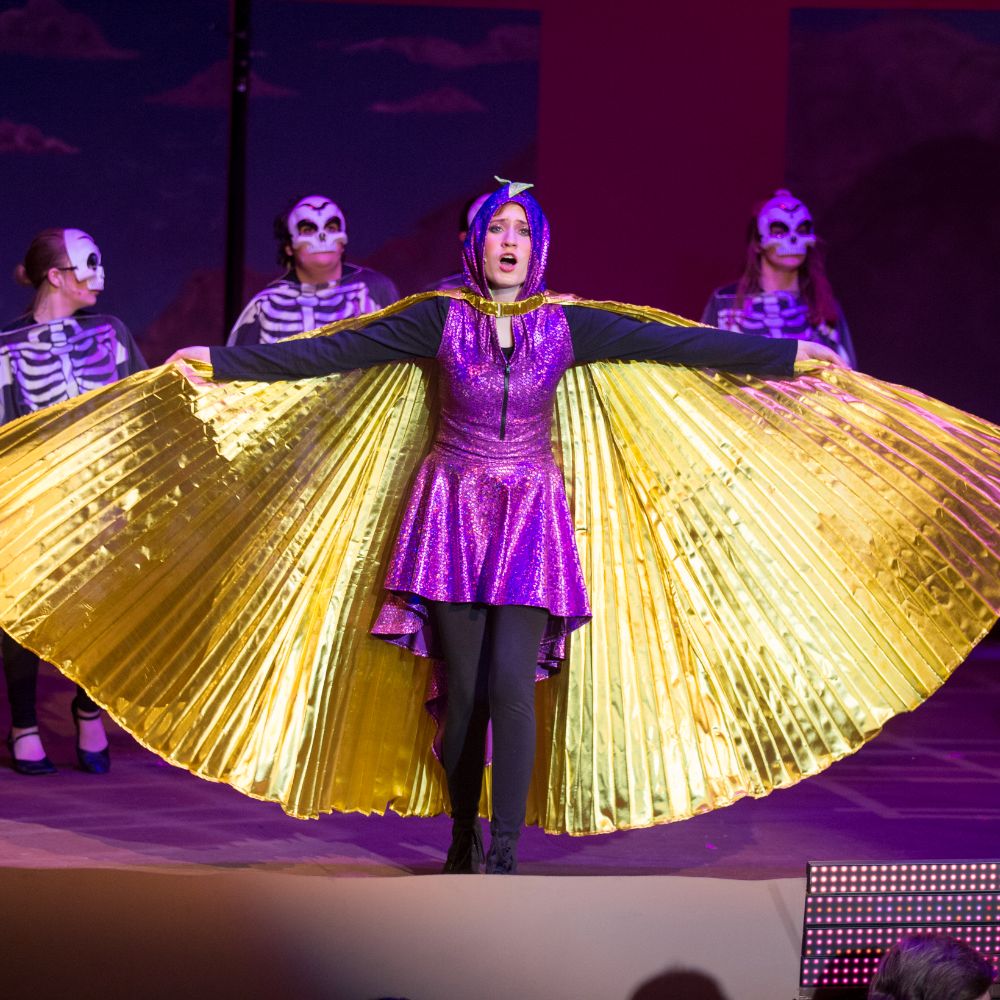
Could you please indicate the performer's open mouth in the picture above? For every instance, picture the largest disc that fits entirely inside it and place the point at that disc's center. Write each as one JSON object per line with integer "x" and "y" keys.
{"x": 508, "y": 262}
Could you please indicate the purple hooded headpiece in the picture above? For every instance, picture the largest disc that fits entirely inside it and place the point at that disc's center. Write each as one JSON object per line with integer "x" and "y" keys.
{"x": 475, "y": 241}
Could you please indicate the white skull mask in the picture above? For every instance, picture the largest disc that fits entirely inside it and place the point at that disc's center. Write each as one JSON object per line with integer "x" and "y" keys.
{"x": 85, "y": 258}
{"x": 317, "y": 224}
{"x": 785, "y": 223}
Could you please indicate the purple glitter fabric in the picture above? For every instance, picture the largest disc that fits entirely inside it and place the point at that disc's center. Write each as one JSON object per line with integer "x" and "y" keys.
{"x": 487, "y": 520}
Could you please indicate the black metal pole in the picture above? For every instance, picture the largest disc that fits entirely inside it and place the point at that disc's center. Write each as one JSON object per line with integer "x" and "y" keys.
{"x": 239, "y": 56}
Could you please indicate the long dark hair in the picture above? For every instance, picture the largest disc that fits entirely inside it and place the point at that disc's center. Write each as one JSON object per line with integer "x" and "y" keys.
{"x": 814, "y": 286}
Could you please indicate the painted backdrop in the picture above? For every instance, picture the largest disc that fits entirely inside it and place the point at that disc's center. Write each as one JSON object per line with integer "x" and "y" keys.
{"x": 116, "y": 121}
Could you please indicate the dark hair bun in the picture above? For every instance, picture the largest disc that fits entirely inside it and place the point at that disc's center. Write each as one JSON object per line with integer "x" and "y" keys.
{"x": 21, "y": 276}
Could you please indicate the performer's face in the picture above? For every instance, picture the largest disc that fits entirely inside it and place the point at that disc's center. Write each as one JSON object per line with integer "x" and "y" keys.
{"x": 785, "y": 231}
{"x": 783, "y": 262}
{"x": 508, "y": 247}
{"x": 76, "y": 293}
{"x": 315, "y": 266}
{"x": 318, "y": 240}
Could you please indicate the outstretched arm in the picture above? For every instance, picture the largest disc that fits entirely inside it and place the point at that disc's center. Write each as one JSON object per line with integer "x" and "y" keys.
{"x": 414, "y": 332}
{"x": 602, "y": 335}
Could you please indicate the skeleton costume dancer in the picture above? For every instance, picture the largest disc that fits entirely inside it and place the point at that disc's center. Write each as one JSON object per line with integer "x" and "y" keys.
{"x": 52, "y": 353}
{"x": 771, "y": 567}
{"x": 783, "y": 291}
{"x": 319, "y": 286}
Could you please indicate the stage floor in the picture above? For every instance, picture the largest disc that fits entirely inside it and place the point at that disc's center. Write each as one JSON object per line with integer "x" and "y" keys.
{"x": 926, "y": 787}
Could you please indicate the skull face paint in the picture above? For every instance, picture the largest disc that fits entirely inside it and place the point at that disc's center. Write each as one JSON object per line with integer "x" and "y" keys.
{"x": 317, "y": 225}
{"x": 784, "y": 223}
{"x": 85, "y": 258}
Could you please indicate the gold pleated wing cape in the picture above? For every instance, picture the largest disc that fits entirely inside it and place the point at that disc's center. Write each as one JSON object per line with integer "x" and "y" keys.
{"x": 776, "y": 568}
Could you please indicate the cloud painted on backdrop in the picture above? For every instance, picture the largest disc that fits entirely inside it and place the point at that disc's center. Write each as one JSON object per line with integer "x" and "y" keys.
{"x": 210, "y": 89}
{"x": 30, "y": 140}
{"x": 504, "y": 44}
{"x": 445, "y": 101}
{"x": 48, "y": 30}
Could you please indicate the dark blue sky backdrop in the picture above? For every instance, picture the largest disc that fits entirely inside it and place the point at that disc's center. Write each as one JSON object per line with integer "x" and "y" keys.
{"x": 982, "y": 24}
{"x": 385, "y": 169}
{"x": 148, "y": 181}
{"x": 115, "y": 121}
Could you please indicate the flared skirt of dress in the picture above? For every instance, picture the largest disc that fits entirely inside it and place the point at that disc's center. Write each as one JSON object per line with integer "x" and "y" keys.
{"x": 484, "y": 532}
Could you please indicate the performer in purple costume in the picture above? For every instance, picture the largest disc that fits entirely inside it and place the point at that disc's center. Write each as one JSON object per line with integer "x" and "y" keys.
{"x": 485, "y": 574}
{"x": 487, "y": 522}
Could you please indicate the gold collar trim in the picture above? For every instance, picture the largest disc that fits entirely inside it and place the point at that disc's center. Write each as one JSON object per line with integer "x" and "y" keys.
{"x": 498, "y": 309}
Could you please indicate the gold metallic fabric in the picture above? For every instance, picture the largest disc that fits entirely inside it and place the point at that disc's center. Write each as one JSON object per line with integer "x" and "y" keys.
{"x": 494, "y": 308}
{"x": 776, "y": 568}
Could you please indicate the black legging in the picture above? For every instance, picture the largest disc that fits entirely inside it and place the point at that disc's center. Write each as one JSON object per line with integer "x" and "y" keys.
{"x": 20, "y": 666}
{"x": 490, "y": 655}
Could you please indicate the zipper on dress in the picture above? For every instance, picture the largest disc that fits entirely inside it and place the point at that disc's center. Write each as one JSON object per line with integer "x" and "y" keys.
{"x": 503, "y": 407}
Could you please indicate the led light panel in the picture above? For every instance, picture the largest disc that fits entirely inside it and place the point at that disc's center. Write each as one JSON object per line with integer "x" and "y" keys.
{"x": 855, "y": 911}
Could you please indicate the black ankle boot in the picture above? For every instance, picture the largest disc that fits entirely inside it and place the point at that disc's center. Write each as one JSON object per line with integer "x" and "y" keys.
{"x": 502, "y": 856}
{"x": 466, "y": 852}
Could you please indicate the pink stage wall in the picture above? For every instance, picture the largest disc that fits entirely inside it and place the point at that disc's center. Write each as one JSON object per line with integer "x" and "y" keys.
{"x": 659, "y": 126}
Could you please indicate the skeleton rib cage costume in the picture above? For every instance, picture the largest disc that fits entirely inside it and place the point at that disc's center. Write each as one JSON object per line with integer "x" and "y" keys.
{"x": 288, "y": 306}
{"x": 46, "y": 363}
{"x": 775, "y": 568}
{"x": 777, "y": 314}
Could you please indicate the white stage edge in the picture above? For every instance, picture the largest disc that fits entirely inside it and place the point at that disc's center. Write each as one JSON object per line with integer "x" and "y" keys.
{"x": 193, "y": 933}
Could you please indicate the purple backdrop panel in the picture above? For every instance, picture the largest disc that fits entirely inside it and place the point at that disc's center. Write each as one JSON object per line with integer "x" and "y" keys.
{"x": 894, "y": 142}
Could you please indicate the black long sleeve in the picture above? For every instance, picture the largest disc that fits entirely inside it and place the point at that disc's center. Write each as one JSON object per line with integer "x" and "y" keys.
{"x": 414, "y": 332}
{"x": 134, "y": 361}
{"x": 601, "y": 335}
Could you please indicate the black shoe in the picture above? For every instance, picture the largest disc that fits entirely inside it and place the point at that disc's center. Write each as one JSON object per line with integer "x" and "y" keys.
{"x": 502, "y": 856}
{"x": 91, "y": 761}
{"x": 466, "y": 852}
{"x": 29, "y": 767}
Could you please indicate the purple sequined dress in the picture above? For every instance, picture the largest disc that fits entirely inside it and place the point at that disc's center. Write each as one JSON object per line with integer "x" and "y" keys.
{"x": 487, "y": 520}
